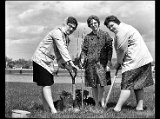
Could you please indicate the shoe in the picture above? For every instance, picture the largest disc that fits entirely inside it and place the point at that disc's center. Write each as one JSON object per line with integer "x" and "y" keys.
{"x": 102, "y": 102}
{"x": 95, "y": 110}
{"x": 144, "y": 108}
{"x": 116, "y": 110}
{"x": 109, "y": 82}
{"x": 54, "y": 112}
{"x": 76, "y": 110}
{"x": 99, "y": 104}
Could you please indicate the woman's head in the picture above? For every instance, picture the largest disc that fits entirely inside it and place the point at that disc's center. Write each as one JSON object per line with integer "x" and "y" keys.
{"x": 92, "y": 17}
{"x": 111, "y": 18}
{"x": 112, "y": 23}
{"x": 72, "y": 20}
{"x": 71, "y": 24}
{"x": 93, "y": 22}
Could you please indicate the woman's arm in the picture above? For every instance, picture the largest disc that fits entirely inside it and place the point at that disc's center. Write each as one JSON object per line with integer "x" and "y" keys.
{"x": 109, "y": 49}
{"x": 83, "y": 55}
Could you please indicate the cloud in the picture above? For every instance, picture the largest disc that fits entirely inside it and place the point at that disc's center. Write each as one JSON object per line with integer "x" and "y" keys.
{"x": 35, "y": 10}
{"x": 31, "y": 20}
{"x": 22, "y": 32}
{"x": 78, "y": 9}
{"x": 28, "y": 13}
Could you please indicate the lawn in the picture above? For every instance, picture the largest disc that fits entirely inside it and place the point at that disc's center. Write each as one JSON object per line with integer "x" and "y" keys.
{"x": 26, "y": 96}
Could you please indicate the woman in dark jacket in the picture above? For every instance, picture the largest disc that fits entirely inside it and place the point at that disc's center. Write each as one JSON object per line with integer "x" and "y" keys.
{"x": 96, "y": 54}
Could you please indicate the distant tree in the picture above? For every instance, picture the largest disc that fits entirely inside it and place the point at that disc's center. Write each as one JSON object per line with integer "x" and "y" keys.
{"x": 9, "y": 62}
{"x": 7, "y": 59}
{"x": 24, "y": 63}
{"x": 27, "y": 64}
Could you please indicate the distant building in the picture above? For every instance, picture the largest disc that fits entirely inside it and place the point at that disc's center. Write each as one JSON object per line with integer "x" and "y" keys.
{"x": 18, "y": 66}
{"x": 30, "y": 67}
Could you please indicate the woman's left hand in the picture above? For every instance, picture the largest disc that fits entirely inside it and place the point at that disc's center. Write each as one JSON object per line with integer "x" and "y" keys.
{"x": 109, "y": 64}
{"x": 117, "y": 66}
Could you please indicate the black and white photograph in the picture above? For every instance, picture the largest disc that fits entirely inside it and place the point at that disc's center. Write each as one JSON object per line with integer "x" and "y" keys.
{"x": 80, "y": 59}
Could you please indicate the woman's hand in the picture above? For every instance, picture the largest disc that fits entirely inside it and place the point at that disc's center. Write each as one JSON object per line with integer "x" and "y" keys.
{"x": 109, "y": 64}
{"x": 71, "y": 67}
{"x": 117, "y": 66}
{"x": 81, "y": 63}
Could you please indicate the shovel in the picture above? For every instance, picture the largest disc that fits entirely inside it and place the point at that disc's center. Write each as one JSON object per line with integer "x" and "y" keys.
{"x": 73, "y": 76}
{"x": 105, "y": 104}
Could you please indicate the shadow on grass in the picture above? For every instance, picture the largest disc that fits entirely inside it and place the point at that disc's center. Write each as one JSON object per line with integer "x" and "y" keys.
{"x": 130, "y": 107}
{"x": 125, "y": 106}
{"x": 37, "y": 107}
{"x": 111, "y": 104}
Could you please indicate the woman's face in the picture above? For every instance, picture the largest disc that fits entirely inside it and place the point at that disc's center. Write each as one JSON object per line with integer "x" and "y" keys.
{"x": 70, "y": 28}
{"x": 94, "y": 25}
{"x": 112, "y": 26}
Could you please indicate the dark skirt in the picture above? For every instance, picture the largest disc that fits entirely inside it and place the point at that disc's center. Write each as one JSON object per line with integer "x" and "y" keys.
{"x": 41, "y": 76}
{"x": 138, "y": 78}
{"x": 96, "y": 74}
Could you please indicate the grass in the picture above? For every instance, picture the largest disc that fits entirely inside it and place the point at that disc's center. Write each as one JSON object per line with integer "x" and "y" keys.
{"x": 26, "y": 96}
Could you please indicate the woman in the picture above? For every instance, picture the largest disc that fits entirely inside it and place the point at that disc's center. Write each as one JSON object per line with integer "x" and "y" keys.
{"x": 96, "y": 54}
{"x": 134, "y": 58}
{"x": 53, "y": 48}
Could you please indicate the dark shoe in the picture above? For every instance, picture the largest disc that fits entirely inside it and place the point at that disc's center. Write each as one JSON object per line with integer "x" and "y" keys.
{"x": 99, "y": 104}
{"x": 109, "y": 82}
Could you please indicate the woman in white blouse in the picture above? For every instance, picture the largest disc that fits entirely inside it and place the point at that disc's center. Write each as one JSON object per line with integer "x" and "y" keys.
{"x": 134, "y": 58}
{"x": 53, "y": 48}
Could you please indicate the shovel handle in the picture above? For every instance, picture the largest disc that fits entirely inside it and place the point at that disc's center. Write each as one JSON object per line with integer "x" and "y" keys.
{"x": 116, "y": 72}
{"x": 73, "y": 84}
{"x": 109, "y": 93}
{"x": 73, "y": 77}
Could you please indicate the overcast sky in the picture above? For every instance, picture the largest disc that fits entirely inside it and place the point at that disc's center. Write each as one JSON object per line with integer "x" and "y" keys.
{"x": 27, "y": 22}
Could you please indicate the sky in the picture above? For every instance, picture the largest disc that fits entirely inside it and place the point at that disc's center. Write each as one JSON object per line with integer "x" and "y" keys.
{"x": 28, "y": 22}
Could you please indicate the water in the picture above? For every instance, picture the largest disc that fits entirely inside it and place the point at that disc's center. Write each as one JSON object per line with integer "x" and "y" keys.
{"x": 61, "y": 78}
{"x": 28, "y": 78}
{"x": 19, "y": 78}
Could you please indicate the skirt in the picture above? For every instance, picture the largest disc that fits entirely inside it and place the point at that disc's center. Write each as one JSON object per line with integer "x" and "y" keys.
{"x": 138, "y": 78}
{"x": 41, "y": 76}
{"x": 96, "y": 74}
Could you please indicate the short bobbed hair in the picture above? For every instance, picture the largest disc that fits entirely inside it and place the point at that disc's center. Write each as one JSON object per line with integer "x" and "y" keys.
{"x": 111, "y": 18}
{"x": 72, "y": 20}
{"x": 92, "y": 17}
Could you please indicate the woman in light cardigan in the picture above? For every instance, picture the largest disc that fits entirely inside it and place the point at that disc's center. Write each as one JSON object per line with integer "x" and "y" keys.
{"x": 134, "y": 58}
{"x": 51, "y": 50}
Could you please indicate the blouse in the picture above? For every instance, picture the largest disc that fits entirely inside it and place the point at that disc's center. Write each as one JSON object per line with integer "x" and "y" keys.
{"x": 52, "y": 49}
{"x": 136, "y": 54}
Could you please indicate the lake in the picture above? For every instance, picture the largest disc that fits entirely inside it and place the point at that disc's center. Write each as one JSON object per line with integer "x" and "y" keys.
{"x": 61, "y": 78}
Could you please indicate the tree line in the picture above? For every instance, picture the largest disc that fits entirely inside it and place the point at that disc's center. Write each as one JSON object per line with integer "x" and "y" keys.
{"x": 20, "y": 63}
